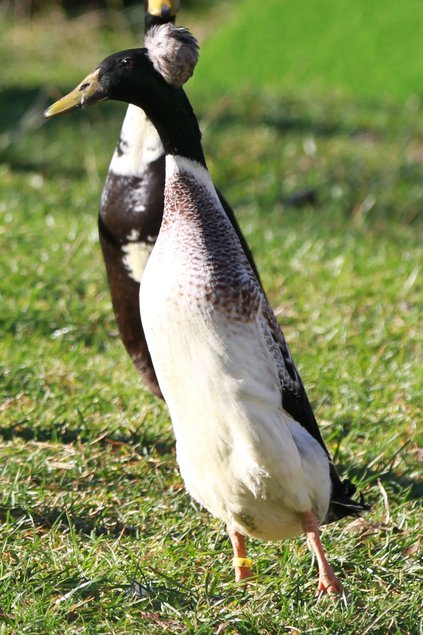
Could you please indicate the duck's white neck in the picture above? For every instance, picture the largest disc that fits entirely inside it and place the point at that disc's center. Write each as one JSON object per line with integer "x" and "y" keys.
{"x": 139, "y": 145}
{"x": 177, "y": 165}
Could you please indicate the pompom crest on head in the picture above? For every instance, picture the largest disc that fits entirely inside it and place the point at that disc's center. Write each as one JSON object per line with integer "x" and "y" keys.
{"x": 173, "y": 52}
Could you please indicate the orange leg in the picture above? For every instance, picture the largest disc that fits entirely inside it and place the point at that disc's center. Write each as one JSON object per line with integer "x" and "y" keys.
{"x": 242, "y": 569}
{"x": 328, "y": 582}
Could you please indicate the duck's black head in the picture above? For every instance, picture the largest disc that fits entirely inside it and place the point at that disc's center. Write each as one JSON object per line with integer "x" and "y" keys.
{"x": 122, "y": 77}
{"x": 150, "y": 78}
{"x": 135, "y": 75}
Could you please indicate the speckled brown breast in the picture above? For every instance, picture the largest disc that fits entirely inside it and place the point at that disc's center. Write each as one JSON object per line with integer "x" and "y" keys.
{"x": 217, "y": 272}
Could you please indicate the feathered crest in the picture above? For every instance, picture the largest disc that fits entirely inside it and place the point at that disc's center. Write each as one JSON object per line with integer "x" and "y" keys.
{"x": 173, "y": 52}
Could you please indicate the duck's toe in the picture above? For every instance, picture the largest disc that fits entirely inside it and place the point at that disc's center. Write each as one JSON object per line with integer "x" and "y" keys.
{"x": 329, "y": 583}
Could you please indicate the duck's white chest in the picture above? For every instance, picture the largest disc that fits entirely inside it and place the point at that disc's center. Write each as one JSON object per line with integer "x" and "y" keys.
{"x": 186, "y": 346}
{"x": 236, "y": 448}
{"x": 189, "y": 352}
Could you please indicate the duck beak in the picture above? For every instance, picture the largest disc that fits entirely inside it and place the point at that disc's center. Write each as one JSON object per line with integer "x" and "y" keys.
{"x": 88, "y": 92}
{"x": 164, "y": 9}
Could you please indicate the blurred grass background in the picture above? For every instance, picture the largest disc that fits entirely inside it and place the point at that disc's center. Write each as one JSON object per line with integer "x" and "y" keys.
{"x": 313, "y": 129}
{"x": 366, "y": 49}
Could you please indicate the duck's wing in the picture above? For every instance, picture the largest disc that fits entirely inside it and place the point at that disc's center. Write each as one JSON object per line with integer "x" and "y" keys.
{"x": 293, "y": 394}
{"x": 295, "y": 402}
{"x": 245, "y": 246}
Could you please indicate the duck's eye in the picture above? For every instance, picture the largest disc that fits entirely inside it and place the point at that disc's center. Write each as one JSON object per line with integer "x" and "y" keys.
{"x": 127, "y": 62}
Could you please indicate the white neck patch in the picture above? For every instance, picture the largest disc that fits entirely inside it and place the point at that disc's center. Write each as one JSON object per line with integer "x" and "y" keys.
{"x": 176, "y": 164}
{"x": 135, "y": 256}
{"x": 139, "y": 144}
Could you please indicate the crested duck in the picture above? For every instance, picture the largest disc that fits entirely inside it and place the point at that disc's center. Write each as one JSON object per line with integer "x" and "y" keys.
{"x": 248, "y": 445}
{"x": 131, "y": 211}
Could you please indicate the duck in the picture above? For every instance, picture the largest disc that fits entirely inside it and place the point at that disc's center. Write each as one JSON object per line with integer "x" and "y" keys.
{"x": 247, "y": 443}
{"x": 131, "y": 211}
{"x": 130, "y": 215}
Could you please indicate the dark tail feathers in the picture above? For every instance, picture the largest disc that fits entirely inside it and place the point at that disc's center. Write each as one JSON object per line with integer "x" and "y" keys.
{"x": 341, "y": 503}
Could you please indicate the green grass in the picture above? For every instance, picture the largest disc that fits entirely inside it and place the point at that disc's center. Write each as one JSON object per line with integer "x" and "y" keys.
{"x": 371, "y": 49}
{"x": 97, "y": 533}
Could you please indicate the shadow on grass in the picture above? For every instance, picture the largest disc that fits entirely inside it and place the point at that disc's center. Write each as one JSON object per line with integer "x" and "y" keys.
{"x": 256, "y": 113}
{"x": 21, "y": 114}
{"x": 21, "y": 110}
{"x": 55, "y": 516}
{"x": 145, "y": 446}
{"x": 17, "y": 101}
{"x": 158, "y": 588}
{"x": 400, "y": 481}
{"x": 58, "y": 433}
{"x": 385, "y": 475}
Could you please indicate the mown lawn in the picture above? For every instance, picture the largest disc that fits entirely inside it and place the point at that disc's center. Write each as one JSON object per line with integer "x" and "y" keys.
{"x": 97, "y": 534}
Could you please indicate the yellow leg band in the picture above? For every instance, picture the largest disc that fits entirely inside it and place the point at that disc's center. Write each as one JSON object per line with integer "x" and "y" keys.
{"x": 243, "y": 562}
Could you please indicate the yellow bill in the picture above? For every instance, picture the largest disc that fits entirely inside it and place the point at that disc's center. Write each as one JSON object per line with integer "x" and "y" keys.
{"x": 87, "y": 92}
{"x": 163, "y": 8}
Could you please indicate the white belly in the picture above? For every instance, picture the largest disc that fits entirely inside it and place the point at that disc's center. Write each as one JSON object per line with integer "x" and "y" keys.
{"x": 240, "y": 454}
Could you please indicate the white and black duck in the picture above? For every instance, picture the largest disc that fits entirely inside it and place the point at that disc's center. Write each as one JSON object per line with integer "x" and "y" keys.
{"x": 248, "y": 445}
{"x": 131, "y": 212}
